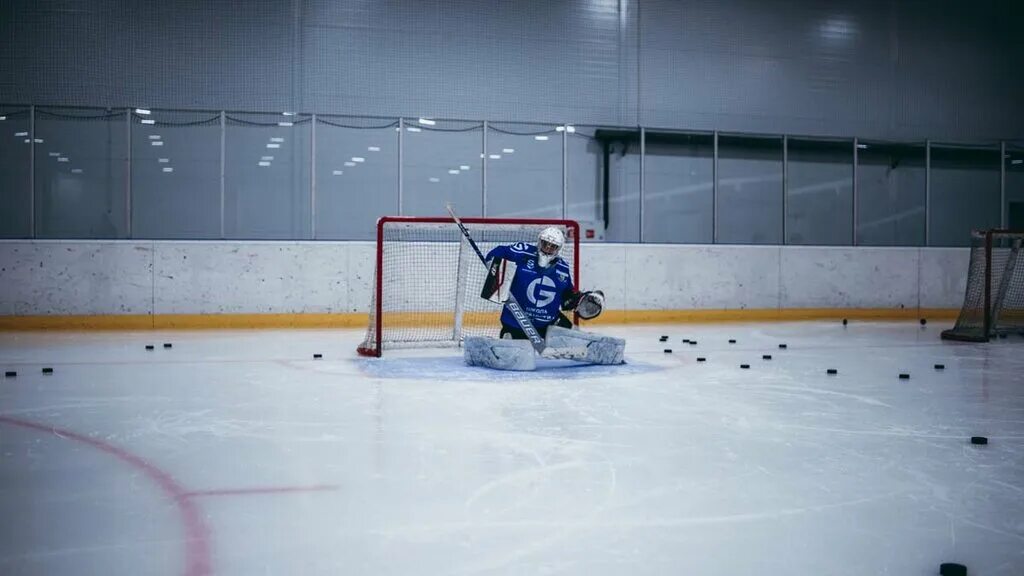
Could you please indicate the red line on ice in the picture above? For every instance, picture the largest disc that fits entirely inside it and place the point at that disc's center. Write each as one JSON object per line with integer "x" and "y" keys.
{"x": 197, "y": 535}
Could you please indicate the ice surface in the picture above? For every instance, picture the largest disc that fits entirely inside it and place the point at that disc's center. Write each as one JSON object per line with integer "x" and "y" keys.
{"x": 237, "y": 453}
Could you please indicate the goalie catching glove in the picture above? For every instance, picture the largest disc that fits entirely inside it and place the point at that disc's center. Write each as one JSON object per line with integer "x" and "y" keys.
{"x": 587, "y": 304}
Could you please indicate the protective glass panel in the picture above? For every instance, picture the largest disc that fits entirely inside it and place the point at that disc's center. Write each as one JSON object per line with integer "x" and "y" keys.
{"x": 524, "y": 171}
{"x": 15, "y": 181}
{"x": 965, "y": 194}
{"x": 819, "y": 195}
{"x": 749, "y": 190}
{"x": 1014, "y": 187}
{"x": 441, "y": 164}
{"x": 890, "y": 194}
{"x": 679, "y": 188}
{"x": 585, "y": 181}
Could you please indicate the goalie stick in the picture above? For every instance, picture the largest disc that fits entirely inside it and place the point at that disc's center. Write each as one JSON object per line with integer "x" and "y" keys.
{"x": 517, "y": 311}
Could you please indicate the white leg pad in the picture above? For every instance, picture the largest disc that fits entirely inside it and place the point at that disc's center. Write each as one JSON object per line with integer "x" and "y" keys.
{"x": 583, "y": 346}
{"x": 499, "y": 354}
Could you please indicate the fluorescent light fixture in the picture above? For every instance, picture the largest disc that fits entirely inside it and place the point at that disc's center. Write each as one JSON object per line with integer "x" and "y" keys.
{"x": 168, "y": 169}
{"x": 1017, "y": 162}
{"x": 163, "y": 160}
{"x": 2, "y": 118}
{"x": 285, "y": 124}
{"x": 570, "y": 129}
{"x": 350, "y": 164}
{"x": 154, "y": 136}
{"x": 414, "y": 129}
{"x": 273, "y": 145}
{"x": 337, "y": 172}
{"x": 264, "y": 163}
{"x": 453, "y": 172}
{"x": 266, "y": 158}
{"x": 38, "y": 140}
{"x": 157, "y": 143}
{"x": 559, "y": 128}
{"x": 483, "y": 156}
{"x": 435, "y": 180}
{"x": 358, "y": 159}
{"x": 20, "y": 134}
{"x": 862, "y": 146}
{"x": 54, "y": 154}
{"x": 76, "y": 170}
{"x": 427, "y": 122}
{"x": 464, "y": 167}
{"x": 277, "y": 139}
{"x": 374, "y": 148}
{"x": 142, "y": 111}
{"x": 508, "y": 150}
{"x": 147, "y": 121}
{"x": 287, "y": 113}
{"x": 540, "y": 138}
{"x": 62, "y": 159}
{"x": 495, "y": 156}
{"x": 27, "y": 141}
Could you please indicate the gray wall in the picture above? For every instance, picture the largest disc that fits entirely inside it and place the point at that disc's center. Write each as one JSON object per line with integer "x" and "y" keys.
{"x": 940, "y": 69}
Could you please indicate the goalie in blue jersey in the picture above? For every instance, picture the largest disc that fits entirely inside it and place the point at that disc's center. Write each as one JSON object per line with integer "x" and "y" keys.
{"x": 541, "y": 281}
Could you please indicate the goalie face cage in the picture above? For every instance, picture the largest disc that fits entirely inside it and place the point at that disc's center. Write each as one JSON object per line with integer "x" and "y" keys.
{"x": 427, "y": 283}
{"x": 994, "y": 298}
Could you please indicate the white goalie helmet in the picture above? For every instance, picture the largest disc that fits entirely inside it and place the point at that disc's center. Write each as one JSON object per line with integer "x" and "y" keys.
{"x": 549, "y": 244}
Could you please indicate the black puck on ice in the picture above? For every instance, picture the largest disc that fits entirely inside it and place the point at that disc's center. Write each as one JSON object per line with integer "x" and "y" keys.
{"x": 940, "y": 366}
{"x": 833, "y": 371}
{"x": 10, "y": 374}
{"x": 149, "y": 346}
{"x": 744, "y": 366}
{"x": 317, "y": 356}
{"x": 782, "y": 346}
{"x": 668, "y": 350}
{"x": 663, "y": 339}
{"x": 904, "y": 376}
{"x": 844, "y": 321}
{"x": 952, "y": 569}
{"x": 167, "y": 344}
{"x": 731, "y": 341}
{"x": 766, "y": 357}
{"x": 924, "y": 321}
{"x": 686, "y": 340}
{"x": 701, "y": 359}
{"x": 47, "y": 370}
{"x": 693, "y": 342}
{"x": 979, "y": 440}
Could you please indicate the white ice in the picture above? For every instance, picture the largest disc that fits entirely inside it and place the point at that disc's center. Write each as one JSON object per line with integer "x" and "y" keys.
{"x": 237, "y": 453}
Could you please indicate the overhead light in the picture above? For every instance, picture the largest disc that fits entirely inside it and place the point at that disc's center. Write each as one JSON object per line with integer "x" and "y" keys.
{"x": 154, "y": 136}
{"x": 540, "y": 138}
{"x": 1017, "y": 162}
{"x": 266, "y": 158}
{"x": 20, "y": 134}
{"x": 168, "y": 169}
{"x": 508, "y": 150}
{"x": 285, "y": 124}
{"x": 358, "y": 159}
{"x": 287, "y": 113}
{"x": 337, "y": 172}
{"x": 27, "y": 141}
{"x": 62, "y": 159}
{"x": 862, "y": 146}
{"x": 38, "y": 140}
{"x": 374, "y": 148}
{"x": 273, "y": 145}
{"x": 261, "y": 163}
{"x": 427, "y": 122}
{"x": 350, "y": 164}
{"x": 483, "y": 155}
{"x": 560, "y": 128}
{"x": 2, "y": 118}
{"x": 435, "y": 180}
{"x": 570, "y": 129}
{"x": 277, "y": 139}
{"x": 163, "y": 160}
{"x": 142, "y": 111}
{"x": 495, "y": 156}
{"x": 463, "y": 167}
{"x": 414, "y": 129}
{"x": 453, "y": 172}
{"x": 76, "y": 170}
{"x": 54, "y": 154}
{"x": 157, "y": 143}
{"x": 147, "y": 121}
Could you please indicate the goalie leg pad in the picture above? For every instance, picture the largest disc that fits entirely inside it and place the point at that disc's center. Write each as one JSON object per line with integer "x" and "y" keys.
{"x": 499, "y": 354}
{"x": 584, "y": 346}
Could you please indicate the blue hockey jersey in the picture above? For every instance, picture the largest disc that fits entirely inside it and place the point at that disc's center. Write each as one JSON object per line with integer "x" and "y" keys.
{"x": 539, "y": 291}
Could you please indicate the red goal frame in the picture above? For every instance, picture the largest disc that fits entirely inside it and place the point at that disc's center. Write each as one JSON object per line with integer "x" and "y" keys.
{"x": 572, "y": 228}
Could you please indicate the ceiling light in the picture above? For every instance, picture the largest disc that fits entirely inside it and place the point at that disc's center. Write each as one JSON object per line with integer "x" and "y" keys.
{"x": 277, "y": 139}
{"x": 154, "y": 136}
{"x": 337, "y": 172}
{"x": 453, "y": 172}
{"x": 266, "y": 158}
{"x": 142, "y": 111}
{"x": 560, "y": 128}
{"x": 76, "y": 170}
{"x": 285, "y": 124}
{"x": 262, "y": 163}
{"x": 62, "y": 159}
{"x": 507, "y": 150}
{"x": 287, "y": 113}
{"x": 163, "y": 160}
{"x": 463, "y": 167}
{"x": 414, "y": 129}
{"x": 273, "y": 145}
{"x": 350, "y": 164}
{"x": 427, "y": 122}
{"x": 54, "y": 154}
{"x": 374, "y": 148}
{"x": 20, "y": 134}
{"x": 38, "y": 140}
{"x": 168, "y": 169}
{"x": 540, "y": 138}
{"x": 862, "y": 146}
{"x": 148, "y": 121}
{"x": 435, "y": 180}
{"x": 157, "y": 143}
{"x": 570, "y": 129}
{"x": 495, "y": 156}
{"x": 358, "y": 159}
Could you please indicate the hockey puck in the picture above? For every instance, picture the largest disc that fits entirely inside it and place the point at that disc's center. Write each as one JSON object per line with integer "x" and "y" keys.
{"x": 782, "y": 346}
{"x": 833, "y": 371}
{"x": 668, "y": 350}
{"x": 10, "y": 374}
{"x": 663, "y": 338}
{"x": 47, "y": 370}
{"x": 701, "y": 359}
{"x": 979, "y": 440}
{"x": 844, "y": 321}
{"x": 317, "y": 356}
{"x": 686, "y": 340}
{"x": 940, "y": 366}
{"x": 732, "y": 341}
{"x": 766, "y": 357}
{"x": 904, "y": 376}
{"x": 744, "y": 366}
{"x": 952, "y": 569}
{"x": 693, "y": 342}
{"x": 149, "y": 346}
{"x": 167, "y": 344}
{"x": 924, "y": 321}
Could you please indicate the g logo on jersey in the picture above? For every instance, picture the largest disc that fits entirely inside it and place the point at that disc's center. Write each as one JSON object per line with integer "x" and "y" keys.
{"x": 541, "y": 298}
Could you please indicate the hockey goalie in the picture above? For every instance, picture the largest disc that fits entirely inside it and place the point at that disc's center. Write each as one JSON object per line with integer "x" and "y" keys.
{"x": 542, "y": 283}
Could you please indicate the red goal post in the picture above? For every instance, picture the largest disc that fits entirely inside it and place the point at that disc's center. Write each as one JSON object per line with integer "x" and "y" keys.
{"x": 427, "y": 279}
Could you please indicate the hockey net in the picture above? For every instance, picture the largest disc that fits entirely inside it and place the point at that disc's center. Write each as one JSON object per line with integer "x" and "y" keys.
{"x": 428, "y": 279}
{"x": 994, "y": 298}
